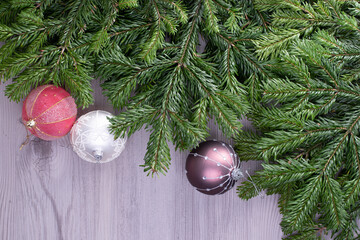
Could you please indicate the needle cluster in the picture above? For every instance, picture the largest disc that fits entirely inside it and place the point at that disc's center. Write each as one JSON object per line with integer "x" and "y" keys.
{"x": 308, "y": 114}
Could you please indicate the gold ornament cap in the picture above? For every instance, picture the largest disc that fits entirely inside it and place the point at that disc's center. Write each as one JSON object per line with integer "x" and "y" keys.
{"x": 31, "y": 123}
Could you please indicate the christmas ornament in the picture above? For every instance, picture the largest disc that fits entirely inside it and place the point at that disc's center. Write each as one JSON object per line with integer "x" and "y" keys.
{"x": 49, "y": 112}
{"x": 91, "y": 139}
{"x": 213, "y": 167}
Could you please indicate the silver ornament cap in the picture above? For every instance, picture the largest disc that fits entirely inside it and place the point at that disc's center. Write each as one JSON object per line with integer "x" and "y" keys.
{"x": 92, "y": 140}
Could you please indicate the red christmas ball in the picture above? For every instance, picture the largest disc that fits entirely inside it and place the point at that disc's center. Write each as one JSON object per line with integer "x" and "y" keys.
{"x": 213, "y": 167}
{"x": 49, "y": 112}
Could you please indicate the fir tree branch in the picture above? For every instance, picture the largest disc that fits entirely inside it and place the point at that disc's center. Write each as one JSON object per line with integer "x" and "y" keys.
{"x": 186, "y": 43}
{"x": 332, "y": 155}
{"x": 157, "y": 157}
{"x": 123, "y": 4}
{"x": 132, "y": 120}
{"x": 131, "y": 29}
{"x": 180, "y": 9}
{"x": 335, "y": 211}
{"x": 310, "y": 113}
{"x": 157, "y": 39}
{"x": 211, "y": 19}
{"x": 256, "y": 65}
{"x": 76, "y": 19}
{"x": 302, "y": 206}
{"x": 270, "y": 45}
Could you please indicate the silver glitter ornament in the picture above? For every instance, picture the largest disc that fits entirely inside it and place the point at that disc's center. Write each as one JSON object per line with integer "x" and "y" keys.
{"x": 91, "y": 139}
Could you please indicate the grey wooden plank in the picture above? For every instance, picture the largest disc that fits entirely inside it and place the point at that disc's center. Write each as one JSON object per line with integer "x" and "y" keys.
{"x": 8, "y": 155}
{"x": 47, "y": 192}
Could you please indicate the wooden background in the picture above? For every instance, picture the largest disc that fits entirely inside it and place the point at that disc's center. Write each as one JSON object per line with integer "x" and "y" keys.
{"x": 48, "y": 193}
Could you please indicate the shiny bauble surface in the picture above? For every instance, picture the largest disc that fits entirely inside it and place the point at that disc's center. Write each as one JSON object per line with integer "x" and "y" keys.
{"x": 92, "y": 140}
{"x": 213, "y": 167}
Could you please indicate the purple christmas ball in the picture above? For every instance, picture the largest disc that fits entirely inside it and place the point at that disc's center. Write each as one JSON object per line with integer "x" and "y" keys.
{"x": 213, "y": 167}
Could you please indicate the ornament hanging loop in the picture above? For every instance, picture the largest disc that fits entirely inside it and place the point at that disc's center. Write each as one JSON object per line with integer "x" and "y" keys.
{"x": 253, "y": 183}
{"x": 27, "y": 140}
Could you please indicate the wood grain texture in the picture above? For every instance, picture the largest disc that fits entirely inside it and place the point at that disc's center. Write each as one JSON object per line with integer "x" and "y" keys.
{"x": 48, "y": 193}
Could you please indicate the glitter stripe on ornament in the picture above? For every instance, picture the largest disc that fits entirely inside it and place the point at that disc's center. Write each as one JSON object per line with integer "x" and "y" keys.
{"x": 51, "y": 107}
{"x": 44, "y": 135}
{"x": 36, "y": 98}
{"x": 74, "y": 116}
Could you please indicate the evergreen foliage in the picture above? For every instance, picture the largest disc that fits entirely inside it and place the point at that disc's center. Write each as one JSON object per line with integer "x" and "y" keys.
{"x": 145, "y": 53}
{"x": 292, "y": 66}
{"x": 308, "y": 114}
